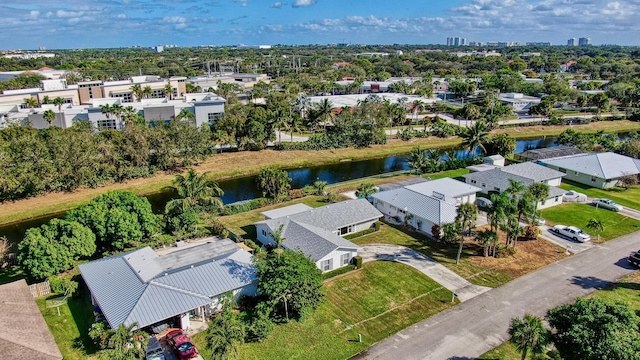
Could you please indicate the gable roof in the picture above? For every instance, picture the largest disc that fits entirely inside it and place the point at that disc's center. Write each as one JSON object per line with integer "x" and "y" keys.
{"x": 331, "y": 217}
{"x": 286, "y": 211}
{"x": 313, "y": 231}
{"x": 313, "y": 241}
{"x": 24, "y": 334}
{"x": 500, "y": 179}
{"x": 603, "y": 165}
{"x": 144, "y": 288}
{"x": 424, "y": 206}
{"x": 533, "y": 171}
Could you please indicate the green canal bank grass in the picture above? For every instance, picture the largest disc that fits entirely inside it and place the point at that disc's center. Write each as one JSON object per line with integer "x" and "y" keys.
{"x": 573, "y": 214}
{"x": 228, "y": 165}
{"x": 629, "y": 198}
{"x": 376, "y": 301}
{"x": 625, "y": 291}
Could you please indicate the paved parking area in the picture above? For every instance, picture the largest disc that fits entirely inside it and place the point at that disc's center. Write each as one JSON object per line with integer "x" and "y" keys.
{"x": 573, "y": 246}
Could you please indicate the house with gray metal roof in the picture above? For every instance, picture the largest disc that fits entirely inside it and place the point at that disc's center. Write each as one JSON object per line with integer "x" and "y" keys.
{"x": 425, "y": 204}
{"x": 497, "y": 180}
{"x": 319, "y": 232}
{"x": 144, "y": 288}
{"x": 600, "y": 170}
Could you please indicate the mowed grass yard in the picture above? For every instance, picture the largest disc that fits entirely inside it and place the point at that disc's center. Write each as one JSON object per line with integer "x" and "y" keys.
{"x": 491, "y": 272}
{"x": 629, "y": 198}
{"x": 377, "y": 301}
{"x": 573, "y": 214}
{"x": 625, "y": 291}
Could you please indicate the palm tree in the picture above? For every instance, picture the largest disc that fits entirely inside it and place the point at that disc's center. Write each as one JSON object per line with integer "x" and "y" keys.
{"x": 418, "y": 106}
{"x": 224, "y": 335}
{"x": 276, "y": 235}
{"x": 31, "y": 102}
{"x": 168, "y": 91}
{"x": 596, "y": 225}
{"x": 147, "y": 92}
{"x": 186, "y": 114}
{"x": 302, "y": 104}
{"x": 136, "y": 89}
{"x": 324, "y": 111}
{"x": 539, "y": 192}
{"x": 528, "y": 333}
{"x": 466, "y": 217}
{"x": 511, "y": 226}
{"x": 320, "y": 187}
{"x": 58, "y": 101}
{"x": 130, "y": 115}
{"x": 365, "y": 190}
{"x": 418, "y": 160}
{"x": 515, "y": 188}
{"x": 106, "y": 110}
{"x": 294, "y": 125}
{"x": 476, "y": 136}
{"x": 49, "y": 116}
{"x": 488, "y": 239}
{"x": 117, "y": 110}
{"x": 195, "y": 190}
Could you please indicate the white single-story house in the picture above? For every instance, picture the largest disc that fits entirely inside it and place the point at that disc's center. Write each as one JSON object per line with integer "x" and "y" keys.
{"x": 497, "y": 180}
{"x": 143, "y": 288}
{"x": 425, "y": 204}
{"x": 518, "y": 101}
{"x": 319, "y": 232}
{"x": 600, "y": 170}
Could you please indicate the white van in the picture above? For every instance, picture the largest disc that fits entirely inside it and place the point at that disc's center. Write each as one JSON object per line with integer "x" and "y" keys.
{"x": 154, "y": 350}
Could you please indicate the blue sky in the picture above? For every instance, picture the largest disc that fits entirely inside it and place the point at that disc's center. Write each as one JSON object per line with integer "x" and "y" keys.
{"x": 29, "y": 24}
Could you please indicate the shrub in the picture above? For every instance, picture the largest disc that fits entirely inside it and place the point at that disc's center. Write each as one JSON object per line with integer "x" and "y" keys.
{"x": 357, "y": 260}
{"x": 360, "y": 233}
{"x": 99, "y": 334}
{"x": 376, "y": 225}
{"x": 261, "y": 325}
{"x": 296, "y": 194}
{"x": 218, "y": 228}
{"x": 436, "y": 232}
{"x": 63, "y": 285}
{"x": 531, "y": 232}
{"x": 503, "y": 252}
{"x": 340, "y": 271}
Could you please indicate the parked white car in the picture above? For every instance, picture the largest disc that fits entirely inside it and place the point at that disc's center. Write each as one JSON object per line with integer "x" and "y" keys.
{"x": 607, "y": 204}
{"x": 574, "y": 196}
{"x": 483, "y": 203}
{"x": 571, "y": 232}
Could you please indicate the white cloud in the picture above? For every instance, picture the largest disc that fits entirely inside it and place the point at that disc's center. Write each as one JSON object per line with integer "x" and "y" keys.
{"x": 302, "y": 3}
{"x": 122, "y": 16}
{"x": 34, "y": 14}
{"x": 277, "y": 5}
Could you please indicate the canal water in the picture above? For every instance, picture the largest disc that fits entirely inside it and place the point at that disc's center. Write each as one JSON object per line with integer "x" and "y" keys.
{"x": 245, "y": 188}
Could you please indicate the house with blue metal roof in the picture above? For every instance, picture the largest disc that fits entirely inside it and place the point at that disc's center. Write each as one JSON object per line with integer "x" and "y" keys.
{"x": 144, "y": 288}
{"x": 319, "y": 232}
{"x": 425, "y": 204}
{"x": 599, "y": 170}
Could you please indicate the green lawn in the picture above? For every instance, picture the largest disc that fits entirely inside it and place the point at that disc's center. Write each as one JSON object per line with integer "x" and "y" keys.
{"x": 630, "y": 198}
{"x": 615, "y": 225}
{"x": 447, "y": 174}
{"x": 444, "y": 254}
{"x": 626, "y": 291}
{"x": 377, "y": 301}
{"x": 71, "y": 327}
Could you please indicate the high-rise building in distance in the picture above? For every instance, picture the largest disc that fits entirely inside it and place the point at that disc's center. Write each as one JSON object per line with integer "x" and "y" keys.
{"x": 572, "y": 42}
{"x": 584, "y": 41}
{"x": 456, "y": 41}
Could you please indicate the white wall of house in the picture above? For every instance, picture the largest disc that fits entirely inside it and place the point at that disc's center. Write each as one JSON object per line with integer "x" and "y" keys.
{"x": 586, "y": 179}
{"x": 336, "y": 259}
{"x": 552, "y": 201}
{"x": 263, "y": 231}
{"x": 486, "y": 187}
{"x": 554, "y": 182}
{"x": 205, "y": 111}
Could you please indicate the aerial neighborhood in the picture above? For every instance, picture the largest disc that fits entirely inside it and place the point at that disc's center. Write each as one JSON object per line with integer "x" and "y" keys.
{"x": 468, "y": 199}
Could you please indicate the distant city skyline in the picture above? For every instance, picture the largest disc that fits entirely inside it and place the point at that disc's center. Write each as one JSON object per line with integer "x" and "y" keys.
{"x": 30, "y": 24}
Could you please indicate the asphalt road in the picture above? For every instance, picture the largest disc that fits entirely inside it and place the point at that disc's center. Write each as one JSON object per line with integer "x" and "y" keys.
{"x": 478, "y": 325}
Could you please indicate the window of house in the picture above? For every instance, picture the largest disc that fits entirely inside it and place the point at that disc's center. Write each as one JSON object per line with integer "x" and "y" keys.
{"x": 557, "y": 198}
{"x": 484, "y": 185}
{"x": 393, "y": 207}
{"x": 325, "y": 265}
{"x": 214, "y": 117}
{"x": 474, "y": 182}
{"x": 593, "y": 179}
{"x": 345, "y": 259}
{"x": 496, "y": 188}
{"x": 107, "y": 124}
{"x": 264, "y": 232}
{"x": 575, "y": 173}
{"x": 347, "y": 230}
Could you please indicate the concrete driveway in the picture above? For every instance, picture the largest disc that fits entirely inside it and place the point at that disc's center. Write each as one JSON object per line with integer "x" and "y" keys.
{"x": 478, "y": 325}
{"x": 436, "y": 271}
{"x": 569, "y": 244}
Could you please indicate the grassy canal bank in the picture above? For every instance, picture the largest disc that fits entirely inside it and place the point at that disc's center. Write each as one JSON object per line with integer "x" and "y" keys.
{"x": 229, "y": 165}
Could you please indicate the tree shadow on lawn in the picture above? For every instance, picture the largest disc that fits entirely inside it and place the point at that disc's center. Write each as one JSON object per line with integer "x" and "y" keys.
{"x": 82, "y": 313}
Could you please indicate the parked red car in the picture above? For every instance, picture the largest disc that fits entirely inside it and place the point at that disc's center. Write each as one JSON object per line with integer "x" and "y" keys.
{"x": 181, "y": 345}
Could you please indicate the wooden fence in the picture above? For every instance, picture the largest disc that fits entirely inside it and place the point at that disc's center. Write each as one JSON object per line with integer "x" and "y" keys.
{"x": 40, "y": 289}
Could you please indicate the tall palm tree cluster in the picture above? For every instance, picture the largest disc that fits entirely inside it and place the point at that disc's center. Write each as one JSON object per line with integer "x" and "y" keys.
{"x": 127, "y": 115}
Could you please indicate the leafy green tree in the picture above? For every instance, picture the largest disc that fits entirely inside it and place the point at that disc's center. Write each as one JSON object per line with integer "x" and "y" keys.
{"x": 225, "y": 333}
{"x": 319, "y": 187}
{"x": 488, "y": 239}
{"x": 527, "y": 334}
{"x": 118, "y": 219}
{"x": 291, "y": 282}
{"x": 136, "y": 90}
{"x": 274, "y": 183}
{"x": 503, "y": 144}
{"x": 195, "y": 191}
{"x": 125, "y": 343}
{"x": 466, "y": 217}
{"x": 539, "y": 192}
{"x": 596, "y": 225}
{"x": 186, "y": 115}
{"x": 365, "y": 190}
{"x": 54, "y": 247}
{"x": 418, "y": 160}
{"x": 593, "y": 329}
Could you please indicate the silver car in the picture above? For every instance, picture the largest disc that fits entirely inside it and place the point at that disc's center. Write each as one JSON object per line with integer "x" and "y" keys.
{"x": 607, "y": 204}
